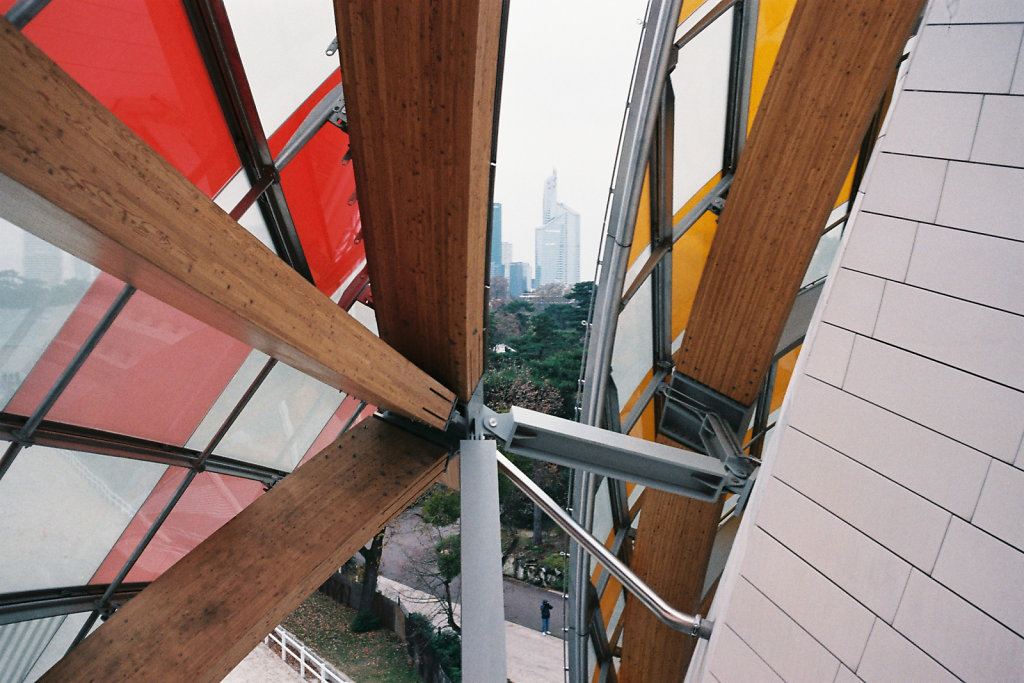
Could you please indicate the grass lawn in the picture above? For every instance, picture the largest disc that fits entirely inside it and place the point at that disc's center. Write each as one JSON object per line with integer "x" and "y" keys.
{"x": 322, "y": 624}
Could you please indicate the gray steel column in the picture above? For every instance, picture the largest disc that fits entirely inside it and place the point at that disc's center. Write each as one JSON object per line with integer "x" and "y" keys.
{"x": 483, "y": 608}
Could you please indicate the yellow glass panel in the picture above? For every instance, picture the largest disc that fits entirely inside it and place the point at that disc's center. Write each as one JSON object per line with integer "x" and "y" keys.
{"x": 645, "y": 427}
{"x": 772, "y": 20}
{"x": 610, "y": 597}
{"x": 783, "y": 374}
{"x": 642, "y": 229}
{"x": 689, "y": 255}
{"x": 844, "y": 193}
{"x": 688, "y": 8}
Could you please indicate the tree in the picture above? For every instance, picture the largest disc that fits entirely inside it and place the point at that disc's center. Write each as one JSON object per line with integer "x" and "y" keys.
{"x": 365, "y": 619}
{"x": 550, "y": 290}
{"x": 499, "y": 288}
{"x": 440, "y": 515}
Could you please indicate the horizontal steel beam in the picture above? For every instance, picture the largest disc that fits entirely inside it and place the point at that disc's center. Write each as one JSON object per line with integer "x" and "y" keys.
{"x": 53, "y": 602}
{"x": 61, "y": 435}
{"x": 619, "y": 456}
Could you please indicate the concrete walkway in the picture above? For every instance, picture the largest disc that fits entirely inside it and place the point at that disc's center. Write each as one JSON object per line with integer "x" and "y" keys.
{"x": 530, "y": 656}
{"x": 262, "y": 666}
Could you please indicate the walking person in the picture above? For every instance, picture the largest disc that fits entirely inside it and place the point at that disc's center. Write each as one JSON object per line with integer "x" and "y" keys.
{"x": 545, "y": 617}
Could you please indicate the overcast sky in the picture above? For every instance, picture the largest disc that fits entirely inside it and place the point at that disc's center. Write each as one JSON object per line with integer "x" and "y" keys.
{"x": 567, "y": 70}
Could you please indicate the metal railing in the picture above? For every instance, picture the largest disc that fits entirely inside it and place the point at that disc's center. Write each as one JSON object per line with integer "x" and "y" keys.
{"x": 309, "y": 663}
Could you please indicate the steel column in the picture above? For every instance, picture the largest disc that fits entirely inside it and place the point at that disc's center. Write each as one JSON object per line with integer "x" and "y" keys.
{"x": 483, "y": 610}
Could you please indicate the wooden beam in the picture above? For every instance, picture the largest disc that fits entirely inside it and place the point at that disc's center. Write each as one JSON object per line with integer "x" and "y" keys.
{"x": 74, "y": 175}
{"x": 419, "y": 83}
{"x": 204, "y": 614}
{"x": 673, "y": 544}
{"x": 832, "y": 69}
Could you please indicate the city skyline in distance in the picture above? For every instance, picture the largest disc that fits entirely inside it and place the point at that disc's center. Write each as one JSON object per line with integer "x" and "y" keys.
{"x": 564, "y": 92}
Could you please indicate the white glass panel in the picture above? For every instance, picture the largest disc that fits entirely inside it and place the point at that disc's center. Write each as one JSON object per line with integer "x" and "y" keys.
{"x": 63, "y": 511}
{"x": 283, "y": 45}
{"x": 40, "y": 286}
{"x": 602, "y": 524}
{"x": 633, "y": 355}
{"x": 824, "y": 254}
{"x": 252, "y": 220}
{"x": 21, "y": 644}
{"x": 60, "y": 643}
{"x": 227, "y": 400}
{"x": 701, "y": 84}
{"x": 279, "y": 424}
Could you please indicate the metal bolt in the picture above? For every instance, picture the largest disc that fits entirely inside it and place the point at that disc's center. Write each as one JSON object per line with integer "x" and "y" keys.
{"x": 492, "y": 422}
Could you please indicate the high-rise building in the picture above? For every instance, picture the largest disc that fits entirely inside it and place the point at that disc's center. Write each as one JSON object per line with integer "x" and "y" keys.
{"x": 506, "y": 256}
{"x": 497, "y": 260}
{"x": 518, "y": 278}
{"x": 557, "y": 241}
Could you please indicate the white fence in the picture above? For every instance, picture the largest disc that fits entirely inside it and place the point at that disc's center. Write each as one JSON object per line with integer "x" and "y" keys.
{"x": 308, "y": 662}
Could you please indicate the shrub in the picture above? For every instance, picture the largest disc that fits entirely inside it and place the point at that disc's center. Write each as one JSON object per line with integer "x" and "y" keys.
{"x": 365, "y": 621}
{"x": 447, "y": 645}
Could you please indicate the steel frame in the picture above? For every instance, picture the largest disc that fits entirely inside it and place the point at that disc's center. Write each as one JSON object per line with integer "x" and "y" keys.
{"x": 53, "y": 602}
{"x": 216, "y": 43}
{"x": 610, "y": 297}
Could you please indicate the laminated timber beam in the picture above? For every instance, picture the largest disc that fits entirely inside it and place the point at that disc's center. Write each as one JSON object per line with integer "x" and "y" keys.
{"x": 833, "y": 66}
{"x": 831, "y": 72}
{"x": 208, "y": 611}
{"x": 74, "y": 175}
{"x": 420, "y": 84}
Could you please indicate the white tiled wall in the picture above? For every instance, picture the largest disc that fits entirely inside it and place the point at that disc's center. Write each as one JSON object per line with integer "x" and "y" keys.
{"x": 885, "y": 541}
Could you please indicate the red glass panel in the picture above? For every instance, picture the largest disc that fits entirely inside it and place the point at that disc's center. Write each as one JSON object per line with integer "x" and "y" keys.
{"x": 321, "y": 189}
{"x": 154, "y": 374}
{"x": 69, "y": 339}
{"x": 210, "y": 501}
{"x": 139, "y": 58}
{"x": 333, "y": 427}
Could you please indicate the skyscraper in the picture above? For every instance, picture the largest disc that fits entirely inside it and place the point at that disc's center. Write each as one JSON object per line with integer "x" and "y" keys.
{"x": 518, "y": 278}
{"x": 497, "y": 266}
{"x": 557, "y": 240}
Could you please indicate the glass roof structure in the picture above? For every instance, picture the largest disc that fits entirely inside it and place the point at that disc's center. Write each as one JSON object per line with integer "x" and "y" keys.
{"x": 133, "y": 430}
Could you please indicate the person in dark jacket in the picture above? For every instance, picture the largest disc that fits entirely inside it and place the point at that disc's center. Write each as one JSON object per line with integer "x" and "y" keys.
{"x": 545, "y": 617}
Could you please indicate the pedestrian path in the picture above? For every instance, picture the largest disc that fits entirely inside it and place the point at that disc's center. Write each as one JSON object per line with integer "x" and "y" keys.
{"x": 530, "y": 656}
{"x": 262, "y": 666}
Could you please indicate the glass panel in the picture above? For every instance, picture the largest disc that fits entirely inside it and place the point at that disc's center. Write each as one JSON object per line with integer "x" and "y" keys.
{"x": 252, "y": 220}
{"x": 22, "y": 643}
{"x": 332, "y": 430}
{"x": 280, "y": 422}
{"x": 633, "y": 355}
{"x": 63, "y": 511}
{"x": 139, "y": 58}
{"x": 772, "y": 20}
{"x": 40, "y": 286}
{"x": 321, "y": 191}
{"x": 701, "y": 84}
{"x": 689, "y": 255}
{"x": 823, "y": 256}
{"x": 154, "y": 374}
{"x": 210, "y": 501}
{"x": 283, "y": 48}
{"x": 69, "y": 627}
{"x": 642, "y": 230}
